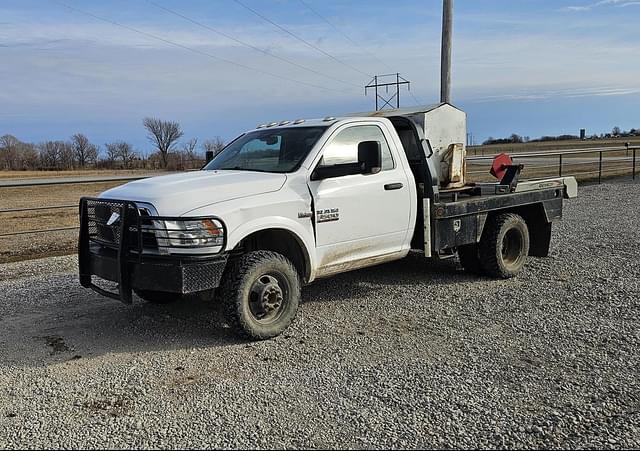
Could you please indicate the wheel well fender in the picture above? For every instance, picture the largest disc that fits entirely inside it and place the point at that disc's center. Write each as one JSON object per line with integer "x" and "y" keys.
{"x": 281, "y": 240}
{"x": 538, "y": 218}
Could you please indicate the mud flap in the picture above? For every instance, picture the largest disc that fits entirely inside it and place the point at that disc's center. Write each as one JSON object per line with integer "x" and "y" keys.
{"x": 540, "y": 239}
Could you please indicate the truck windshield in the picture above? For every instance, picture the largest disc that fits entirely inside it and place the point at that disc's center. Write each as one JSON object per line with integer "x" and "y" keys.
{"x": 268, "y": 150}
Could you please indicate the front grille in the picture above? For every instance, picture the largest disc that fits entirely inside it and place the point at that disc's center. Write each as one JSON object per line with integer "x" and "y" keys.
{"x": 149, "y": 240}
{"x": 104, "y": 220}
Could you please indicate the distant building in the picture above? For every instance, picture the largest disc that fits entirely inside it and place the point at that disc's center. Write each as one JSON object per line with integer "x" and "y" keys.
{"x": 583, "y": 134}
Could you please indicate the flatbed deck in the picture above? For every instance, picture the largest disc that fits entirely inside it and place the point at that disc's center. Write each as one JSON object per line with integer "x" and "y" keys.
{"x": 458, "y": 216}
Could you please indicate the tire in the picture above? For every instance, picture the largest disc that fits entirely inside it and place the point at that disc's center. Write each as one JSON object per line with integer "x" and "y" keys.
{"x": 504, "y": 246}
{"x": 260, "y": 292}
{"x": 158, "y": 297}
{"x": 470, "y": 259}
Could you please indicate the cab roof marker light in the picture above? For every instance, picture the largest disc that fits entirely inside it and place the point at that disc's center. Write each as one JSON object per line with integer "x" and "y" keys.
{"x": 329, "y": 118}
{"x": 285, "y": 123}
{"x": 272, "y": 124}
{"x": 298, "y": 122}
{"x": 261, "y": 126}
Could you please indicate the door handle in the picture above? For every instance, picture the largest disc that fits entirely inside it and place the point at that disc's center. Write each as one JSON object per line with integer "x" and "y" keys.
{"x": 393, "y": 186}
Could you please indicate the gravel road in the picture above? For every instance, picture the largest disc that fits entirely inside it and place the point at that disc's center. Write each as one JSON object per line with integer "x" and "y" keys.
{"x": 408, "y": 354}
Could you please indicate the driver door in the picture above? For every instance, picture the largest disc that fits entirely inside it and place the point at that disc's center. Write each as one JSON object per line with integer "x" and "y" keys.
{"x": 360, "y": 219}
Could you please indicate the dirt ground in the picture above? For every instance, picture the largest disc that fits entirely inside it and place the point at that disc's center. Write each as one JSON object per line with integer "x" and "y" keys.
{"x": 409, "y": 355}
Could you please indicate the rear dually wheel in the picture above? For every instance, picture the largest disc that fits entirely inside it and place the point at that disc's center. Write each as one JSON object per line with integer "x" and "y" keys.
{"x": 504, "y": 245}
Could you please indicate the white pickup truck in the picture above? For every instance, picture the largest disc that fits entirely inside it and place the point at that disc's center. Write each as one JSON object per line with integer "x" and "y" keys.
{"x": 291, "y": 202}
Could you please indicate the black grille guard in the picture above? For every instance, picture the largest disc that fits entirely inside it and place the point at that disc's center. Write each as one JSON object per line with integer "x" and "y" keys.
{"x": 124, "y": 234}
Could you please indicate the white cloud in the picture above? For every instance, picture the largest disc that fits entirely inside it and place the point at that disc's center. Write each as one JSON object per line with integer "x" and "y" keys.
{"x": 90, "y": 71}
{"x": 617, "y": 3}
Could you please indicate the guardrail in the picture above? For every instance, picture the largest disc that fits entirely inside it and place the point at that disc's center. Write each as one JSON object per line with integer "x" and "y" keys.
{"x": 563, "y": 157}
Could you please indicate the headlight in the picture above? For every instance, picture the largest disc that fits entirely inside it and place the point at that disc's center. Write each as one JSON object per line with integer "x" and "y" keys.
{"x": 195, "y": 234}
{"x": 176, "y": 235}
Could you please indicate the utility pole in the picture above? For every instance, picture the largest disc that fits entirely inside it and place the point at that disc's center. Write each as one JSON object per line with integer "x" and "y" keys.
{"x": 445, "y": 57}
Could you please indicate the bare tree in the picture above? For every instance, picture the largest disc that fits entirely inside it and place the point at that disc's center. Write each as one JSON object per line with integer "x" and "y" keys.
{"x": 29, "y": 156}
{"x": 51, "y": 154}
{"x": 17, "y": 155}
{"x": 8, "y": 151}
{"x": 189, "y": 150}
{"x": 164, "y": 135}
{"x": 67, "y": 156}
{"x": 616, "y": 131}
{"x": 190, "y": 146}
{"x": 111, "y": 153}
{"x": 214, "y": 145}
{"x": 120, "y": 150}
{"x": 127, "y": 154}
{"x": 8, "y": 142}
{"x": 85, "y": 152}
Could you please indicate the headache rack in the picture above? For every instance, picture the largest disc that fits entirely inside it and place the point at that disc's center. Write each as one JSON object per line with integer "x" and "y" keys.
{"x": 130, "y": 234}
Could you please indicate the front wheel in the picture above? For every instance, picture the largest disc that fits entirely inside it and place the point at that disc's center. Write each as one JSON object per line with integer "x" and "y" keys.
{"x": 261, "y": 293}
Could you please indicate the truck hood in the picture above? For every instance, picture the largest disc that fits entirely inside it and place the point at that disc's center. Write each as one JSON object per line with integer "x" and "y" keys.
{"x": 177, "y": 194}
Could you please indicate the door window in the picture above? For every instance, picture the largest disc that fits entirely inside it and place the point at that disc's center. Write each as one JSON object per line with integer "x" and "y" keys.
{"x": 344, "y": 147}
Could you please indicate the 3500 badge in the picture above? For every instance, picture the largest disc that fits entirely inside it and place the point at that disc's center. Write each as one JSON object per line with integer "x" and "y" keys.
{"x": 328, "y": 215}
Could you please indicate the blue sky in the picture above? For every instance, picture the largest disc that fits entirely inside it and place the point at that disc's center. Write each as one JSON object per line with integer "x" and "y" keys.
{"x": 531, "y": 67}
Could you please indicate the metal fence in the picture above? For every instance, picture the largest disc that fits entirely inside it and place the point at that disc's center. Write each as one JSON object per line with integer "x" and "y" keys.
{"x": 562, "y": 160}
{"x": 62, "y": 181}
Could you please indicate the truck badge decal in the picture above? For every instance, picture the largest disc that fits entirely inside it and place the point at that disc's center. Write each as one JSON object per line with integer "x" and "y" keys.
{"x": 115, "y": 217}
{"x": 457, "y": 225}
{"x": 305, "y": 214}
{"x": 328, "y": 215}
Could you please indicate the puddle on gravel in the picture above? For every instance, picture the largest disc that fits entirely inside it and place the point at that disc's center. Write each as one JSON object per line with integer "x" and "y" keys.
{"x": 58, "y": 346}
{"x": 114, "y": 407}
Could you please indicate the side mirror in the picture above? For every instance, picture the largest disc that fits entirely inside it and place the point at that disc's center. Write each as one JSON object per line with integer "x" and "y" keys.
{"x": 370, "y": 157}
{"x": 369, "y": 162}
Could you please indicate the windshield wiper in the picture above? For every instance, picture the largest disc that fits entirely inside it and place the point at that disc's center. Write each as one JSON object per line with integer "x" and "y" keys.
{"x": 239, "y": 168}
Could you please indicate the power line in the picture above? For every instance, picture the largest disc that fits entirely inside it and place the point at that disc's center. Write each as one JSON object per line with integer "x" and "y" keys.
{"x": 191, "y": 49}
{"x": 246, "y": 44}
{"x": 354, "y": 43}
{"x": 309, "y": 44}
{"x": 418, "y": 102}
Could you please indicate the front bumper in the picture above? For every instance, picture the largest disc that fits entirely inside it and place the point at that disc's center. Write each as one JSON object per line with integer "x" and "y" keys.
{"x": 125, "y": 259}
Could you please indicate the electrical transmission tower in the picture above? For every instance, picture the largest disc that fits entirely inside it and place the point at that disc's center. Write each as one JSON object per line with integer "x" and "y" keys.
{"x": 383, "y": 81}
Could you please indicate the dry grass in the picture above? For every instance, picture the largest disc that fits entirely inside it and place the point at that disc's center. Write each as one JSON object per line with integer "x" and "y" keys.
{"x": 550, "y": 145}
{"x": 76, "y": 173}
